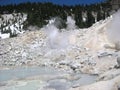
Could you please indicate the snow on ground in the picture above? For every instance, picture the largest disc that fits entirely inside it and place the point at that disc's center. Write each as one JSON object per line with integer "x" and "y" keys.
{"x": 4, "y": 36}
{"x": 12, "y": 24}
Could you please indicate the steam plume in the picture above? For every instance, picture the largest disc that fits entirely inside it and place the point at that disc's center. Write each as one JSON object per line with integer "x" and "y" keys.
{"x": 70, "y": 23}
{"x": 114, "y": 30}
{"x": 57, "y": 39}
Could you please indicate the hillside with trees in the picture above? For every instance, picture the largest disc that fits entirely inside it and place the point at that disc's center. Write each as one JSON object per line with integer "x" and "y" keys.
{"x": 38, "y": 14}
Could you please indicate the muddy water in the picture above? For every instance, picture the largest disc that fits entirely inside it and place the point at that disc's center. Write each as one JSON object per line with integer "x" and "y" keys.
{"x": 49, "y": 78}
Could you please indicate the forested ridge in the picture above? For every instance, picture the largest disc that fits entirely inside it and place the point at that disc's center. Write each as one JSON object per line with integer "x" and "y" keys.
{"x": 38, "y": 14}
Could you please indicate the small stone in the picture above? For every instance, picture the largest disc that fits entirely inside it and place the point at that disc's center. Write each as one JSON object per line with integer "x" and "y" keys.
{"x": 104, "y": 54}
{"x": 117, "y": 46}
{"x": 118, "y": 60}
{"x": 118, "y": 88}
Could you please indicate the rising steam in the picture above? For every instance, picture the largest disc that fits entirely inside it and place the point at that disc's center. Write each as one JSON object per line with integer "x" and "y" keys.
{"x": 57, "y": 39}
{"x": 70, "y": 23}
{"x": 114, "y": 30}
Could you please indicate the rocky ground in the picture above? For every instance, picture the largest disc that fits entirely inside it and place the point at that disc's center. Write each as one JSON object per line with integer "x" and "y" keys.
{"x": 88, "y": 51}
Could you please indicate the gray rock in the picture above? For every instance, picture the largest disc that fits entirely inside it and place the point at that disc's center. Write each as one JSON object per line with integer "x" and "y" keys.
{"x": 118, "y": 60}
{"x": 104, "y": 54}
{"x": 117, "y": 45}
{"x": 4, "y": 48}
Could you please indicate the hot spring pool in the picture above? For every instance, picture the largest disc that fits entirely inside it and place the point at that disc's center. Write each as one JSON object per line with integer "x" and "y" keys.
{"x": 15, "y": 79}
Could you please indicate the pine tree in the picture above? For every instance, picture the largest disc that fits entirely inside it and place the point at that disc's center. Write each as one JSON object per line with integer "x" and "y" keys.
{"x": 90, "y": 19}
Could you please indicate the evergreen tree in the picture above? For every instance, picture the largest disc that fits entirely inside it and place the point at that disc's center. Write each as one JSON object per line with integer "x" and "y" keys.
{"x": 90, "y": 19}
{"x": 38, "y": 13}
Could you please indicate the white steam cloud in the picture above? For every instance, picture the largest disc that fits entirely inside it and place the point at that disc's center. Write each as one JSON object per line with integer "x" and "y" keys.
{"x": 70, "y": 23}
{"x": 57, "y": 39}
{"x": 114, "y": 28}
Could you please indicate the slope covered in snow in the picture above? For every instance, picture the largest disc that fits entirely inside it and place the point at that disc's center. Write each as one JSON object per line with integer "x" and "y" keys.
{"x": 11, "y": 24}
